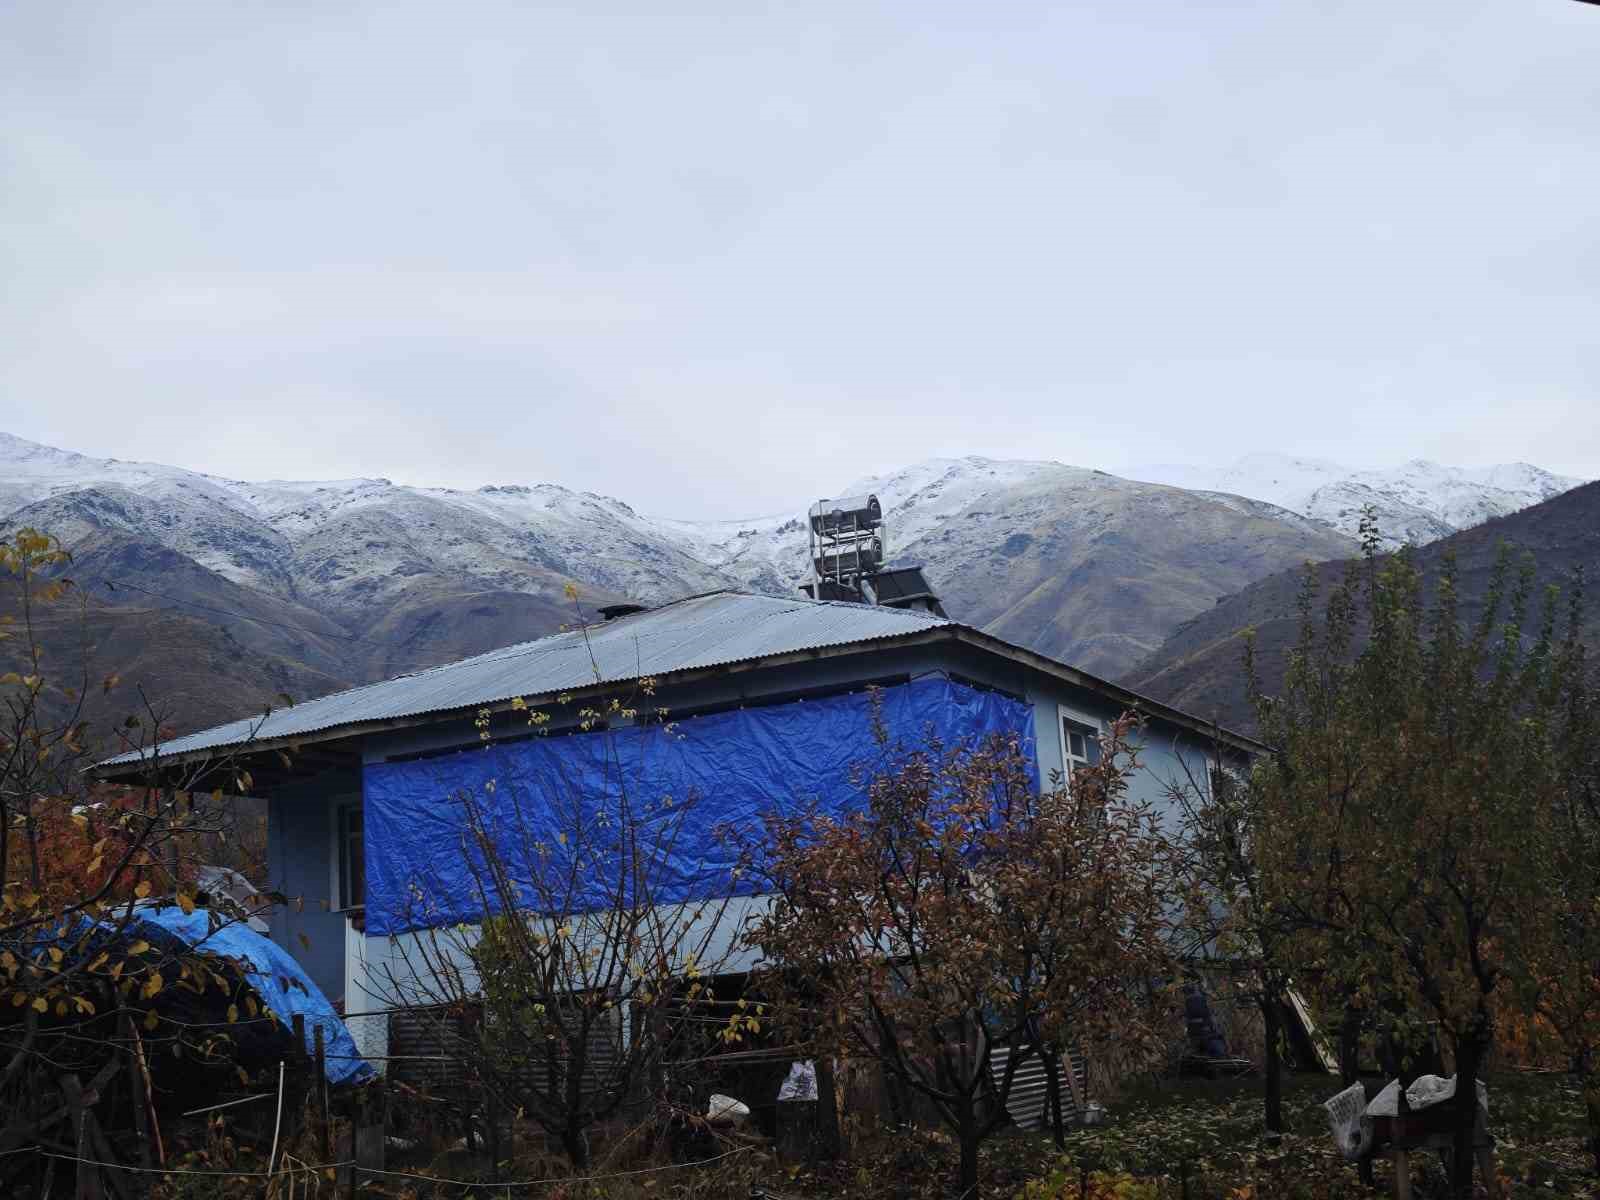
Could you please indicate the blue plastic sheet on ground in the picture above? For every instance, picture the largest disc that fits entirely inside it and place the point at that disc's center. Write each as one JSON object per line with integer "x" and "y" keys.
{"x": 694, "y": 780}
{"x": 271, "y": 971}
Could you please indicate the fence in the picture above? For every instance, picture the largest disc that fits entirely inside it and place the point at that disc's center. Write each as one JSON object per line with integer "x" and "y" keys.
{"x": 327, "y": 1144}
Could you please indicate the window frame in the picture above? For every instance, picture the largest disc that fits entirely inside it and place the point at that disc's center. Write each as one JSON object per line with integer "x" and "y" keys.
{"x": 343, "y": 875}
{"x": 1091, "y": 726}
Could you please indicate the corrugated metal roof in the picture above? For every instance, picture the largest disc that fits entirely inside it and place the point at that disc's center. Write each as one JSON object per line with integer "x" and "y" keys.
{"x": 715, "y": 629}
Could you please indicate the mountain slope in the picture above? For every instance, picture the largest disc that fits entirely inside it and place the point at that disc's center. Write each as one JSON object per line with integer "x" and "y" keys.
{"x": 1199, "y": 666}
{"x": 1096, "y": 570}
{"x": 1417, "y": 502}
{"x": 352, "y": 580}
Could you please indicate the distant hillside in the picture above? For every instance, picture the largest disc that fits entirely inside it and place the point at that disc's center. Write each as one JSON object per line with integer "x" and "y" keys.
{"x": 1416, "y": 503}
{"x": 340, "y": 582}
{"x": 1198, "y": 667}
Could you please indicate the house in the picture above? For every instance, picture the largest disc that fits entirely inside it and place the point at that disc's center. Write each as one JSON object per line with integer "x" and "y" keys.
{"x": 769, "y": 699}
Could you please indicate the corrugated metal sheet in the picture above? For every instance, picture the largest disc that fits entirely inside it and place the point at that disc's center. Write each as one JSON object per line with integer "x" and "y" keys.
{"x": 1030, "y": 1087}
{"x": 703, "y": 631}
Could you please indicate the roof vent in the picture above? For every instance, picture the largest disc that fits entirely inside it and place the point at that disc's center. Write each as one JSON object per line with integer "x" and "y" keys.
{"x": 612, "y": 611}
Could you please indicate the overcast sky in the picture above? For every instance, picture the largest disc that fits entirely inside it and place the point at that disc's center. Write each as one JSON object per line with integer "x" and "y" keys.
{"x": 715, "y": 258}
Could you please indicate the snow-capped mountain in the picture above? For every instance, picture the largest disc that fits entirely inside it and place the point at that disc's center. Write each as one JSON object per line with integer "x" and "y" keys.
{"x": 1416, "y": 502}
{"x": 355, "y": 579}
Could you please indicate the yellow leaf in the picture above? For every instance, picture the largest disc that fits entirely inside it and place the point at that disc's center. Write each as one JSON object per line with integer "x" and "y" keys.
{"x": 143, "y": 889}
{"x": 40, "y": 1004}
{"x": 152, "y": 986}
{"x": 139, "y": 947}
{"x": 233, "y": 1013}
{"x": 185, "y": 902}
{"x": 151, "y": 1020}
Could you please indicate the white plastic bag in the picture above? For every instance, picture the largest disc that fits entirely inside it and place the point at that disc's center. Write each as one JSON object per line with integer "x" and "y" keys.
{"x": 1348, "y": 1121}
{"x": 725, "y": 1110}
{"x": 801, "y": 1083}
{"x": 1425, "y": 1091}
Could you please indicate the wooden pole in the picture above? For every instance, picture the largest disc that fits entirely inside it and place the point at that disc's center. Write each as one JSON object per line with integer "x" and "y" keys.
{"x": 491, "y": 1113}
{"x": 322, "y": 1094}
{"x": 148, "y": 1091}
{"x": 88, "y": 1185}
{"x": 830, "y": 1141}
{"x": 141, "y": 1114}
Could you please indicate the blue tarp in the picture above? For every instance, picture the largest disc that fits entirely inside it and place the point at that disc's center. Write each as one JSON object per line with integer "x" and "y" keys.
{"x": 270, "y": 970}
{"x": 729, "y": 767}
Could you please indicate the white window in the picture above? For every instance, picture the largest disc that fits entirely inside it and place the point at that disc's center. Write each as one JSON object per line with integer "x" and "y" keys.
{"x": 1080, "y": 741}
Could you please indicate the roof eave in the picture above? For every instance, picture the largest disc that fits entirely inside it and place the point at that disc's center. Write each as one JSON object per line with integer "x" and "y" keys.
{"x": 293, "y": 742}
{"x": 944, "y": 631}
{"x": 1132, "y": 700}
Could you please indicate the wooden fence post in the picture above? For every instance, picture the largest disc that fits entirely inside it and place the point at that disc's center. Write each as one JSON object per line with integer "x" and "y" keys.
{"x": 829, "y": 1136}
{"x": 136, "y": 1091}
{"x": 371, "y": 1129}
{"x": 88, "y": 1186}
{"x": 491, "y": 1114}
{"x": 321, "y": 1085}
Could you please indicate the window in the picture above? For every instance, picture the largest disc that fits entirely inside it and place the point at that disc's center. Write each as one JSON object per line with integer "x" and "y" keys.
{"x": 1080, "y": 742}
{"x": 352, "y": 858}
{"x": 1083, "y": 744}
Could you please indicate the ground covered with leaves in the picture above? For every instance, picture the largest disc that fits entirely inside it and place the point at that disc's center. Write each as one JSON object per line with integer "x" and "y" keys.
{"x": 1204, "y": 1139}
{"x": 1194, "y": 1139}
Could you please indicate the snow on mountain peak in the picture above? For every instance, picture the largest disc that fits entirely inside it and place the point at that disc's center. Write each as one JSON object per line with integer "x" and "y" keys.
{"x": 370, "y": 527}
{"x": 1418, "y": 501}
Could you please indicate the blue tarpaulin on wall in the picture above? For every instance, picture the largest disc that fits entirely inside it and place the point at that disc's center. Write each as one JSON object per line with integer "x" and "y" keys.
{"x": 693, "y": 780}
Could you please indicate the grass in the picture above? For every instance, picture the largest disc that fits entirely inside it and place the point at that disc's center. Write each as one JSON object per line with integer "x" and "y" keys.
{"x": 1204, "y": 1140}
{"x": 1193, "y": 1139}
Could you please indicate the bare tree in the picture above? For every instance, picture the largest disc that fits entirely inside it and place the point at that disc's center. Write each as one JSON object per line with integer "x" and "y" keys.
{"x": 962, "y": 911}
{"x": 79, "y": 863}
{"x": 588, "y": 941}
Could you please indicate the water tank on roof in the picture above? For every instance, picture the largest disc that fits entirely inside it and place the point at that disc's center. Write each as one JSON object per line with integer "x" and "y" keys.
{"x": 853, "y": 558}
{"x": 846, "y": 515}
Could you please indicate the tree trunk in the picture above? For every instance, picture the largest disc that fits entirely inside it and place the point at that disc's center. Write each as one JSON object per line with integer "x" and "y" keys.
{"x": 1589, "y": 1087}
{"x": 830, "y": 1134}
{"x": 1591, "y": 1106}
{"x": 576, "y": 1143}
{"x": 968, "y": 1134}
{"x": 1272, "y": 1021}
{"x": 1052, "y": 1074}
{"x": 1469, "y": 1058}
{"x": 1350, "y": 1045}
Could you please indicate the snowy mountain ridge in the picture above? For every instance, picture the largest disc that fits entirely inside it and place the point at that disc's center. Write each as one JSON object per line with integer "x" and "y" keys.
{"x": 1418, "y": 501}
{"x": 318, "y": 584}
{"x": 649, "y": 556}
